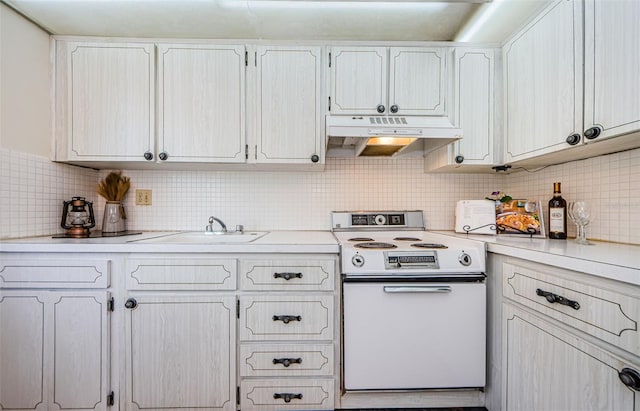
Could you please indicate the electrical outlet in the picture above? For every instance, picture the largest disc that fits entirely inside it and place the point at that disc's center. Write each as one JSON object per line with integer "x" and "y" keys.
{"x": 143, "y": 197}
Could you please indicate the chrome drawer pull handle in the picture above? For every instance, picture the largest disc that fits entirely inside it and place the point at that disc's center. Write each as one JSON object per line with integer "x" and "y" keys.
{"x": 287, "y": 318}
{"x": 287, "y": 276}
{"x": 555, "y": 298}
{"x": 287, "y": 396}
{"x": 287, "y": 361}
{"x": 437, "y": 289}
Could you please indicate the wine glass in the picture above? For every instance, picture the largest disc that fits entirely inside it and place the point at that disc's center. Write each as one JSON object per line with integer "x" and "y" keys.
{"x": 580, "y": 213}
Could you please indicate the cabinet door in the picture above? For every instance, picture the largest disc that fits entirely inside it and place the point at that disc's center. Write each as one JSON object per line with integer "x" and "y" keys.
{"x": 543, "y": 83}
{"x": 473, "y": 88}
{"x": 55, "y": 350}
{"x": 201, "y": 96}
{"x": 180, "y": 352}
{"x": 358, "y": 80}
{"x": 612, "y": 67}
{"x": 110, "y": 107}
{"x": 547, "y": 368}
{"x": 417, "y": 81}
{"x": 289, "y": 113}
{"x": 22, "y": 357}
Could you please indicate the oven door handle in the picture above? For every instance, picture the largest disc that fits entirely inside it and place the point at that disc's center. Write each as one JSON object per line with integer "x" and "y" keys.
{"x": 433, "y": 289}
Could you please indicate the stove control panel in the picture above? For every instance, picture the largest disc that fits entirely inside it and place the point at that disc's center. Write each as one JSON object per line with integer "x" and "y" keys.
{"x": 394, "y": 260}
{"x": 387, "y": 220}
{"x": 359, "y": 220}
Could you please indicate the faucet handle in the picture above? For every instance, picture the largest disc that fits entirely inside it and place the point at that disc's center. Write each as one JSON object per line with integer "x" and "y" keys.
{"x": 239, "y": 228}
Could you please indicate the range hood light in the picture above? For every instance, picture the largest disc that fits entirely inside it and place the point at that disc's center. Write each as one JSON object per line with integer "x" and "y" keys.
{"x": 390, "y": 141}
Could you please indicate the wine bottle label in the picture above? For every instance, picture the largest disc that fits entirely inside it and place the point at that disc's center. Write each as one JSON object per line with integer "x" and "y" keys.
{"x": 556, "y": 219}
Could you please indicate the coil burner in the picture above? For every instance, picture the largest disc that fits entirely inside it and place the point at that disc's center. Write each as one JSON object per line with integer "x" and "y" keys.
{"x": 428, "y": 245}
{"x": 375, "y": 245}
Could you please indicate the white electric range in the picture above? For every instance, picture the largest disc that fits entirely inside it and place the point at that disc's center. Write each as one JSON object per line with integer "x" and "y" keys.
{"x": 414, "y": 304}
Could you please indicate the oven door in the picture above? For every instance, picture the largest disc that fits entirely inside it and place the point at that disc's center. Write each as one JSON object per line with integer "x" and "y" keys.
{"x": 414, "y": 335}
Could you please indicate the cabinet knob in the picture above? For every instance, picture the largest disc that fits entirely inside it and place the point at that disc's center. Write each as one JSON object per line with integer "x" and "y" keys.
{"x": 315, "y": 158}
{"x": 163, "y": 156}
{"x": 592, "y": 132}
{"x": 381, "y": 108}
{"x": 630, "y": 378}
{"x": 459, "y": 159}
{"x": 573, "y": 139}
{"x": 131, "y": 303}
{"x": 148, "y": 156}
{"x": 394, "y": 108}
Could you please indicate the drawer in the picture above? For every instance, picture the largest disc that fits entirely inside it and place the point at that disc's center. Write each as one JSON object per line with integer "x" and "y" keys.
{"x": 280, "y": 360}
{"x": 290, "y": 317}
{"x": 181, "y": 273}
{"x": 604, "y": 313}
{"x": 288, "y": 274}
{"x": 294, "y": 394}
{"x": 54, "y": 273}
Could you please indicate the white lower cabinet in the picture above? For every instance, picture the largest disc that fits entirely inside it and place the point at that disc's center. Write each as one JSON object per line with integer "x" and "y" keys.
{"x": 180, "y": 352}
{"x": 551, "y": 369}
{"x": 288, "y": 343}
{"x": 55, "y": 321}
{"x": 567, "y": 340}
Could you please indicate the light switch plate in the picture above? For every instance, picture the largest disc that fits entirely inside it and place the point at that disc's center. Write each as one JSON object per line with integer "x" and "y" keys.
{"x": 143, "y": 197}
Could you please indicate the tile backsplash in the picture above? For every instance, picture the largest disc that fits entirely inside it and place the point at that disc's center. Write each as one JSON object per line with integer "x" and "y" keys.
{"x": 32, "y": 190}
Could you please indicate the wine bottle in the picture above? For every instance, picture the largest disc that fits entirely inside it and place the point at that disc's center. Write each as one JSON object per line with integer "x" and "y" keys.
{"x": 557, "y": 215}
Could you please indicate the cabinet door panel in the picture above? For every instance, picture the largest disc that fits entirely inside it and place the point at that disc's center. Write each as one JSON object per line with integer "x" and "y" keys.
{"x": 181, "y": 353}
{"x": 612, "y": 66}
{"x": 262, "y": 317}
{"x": 543, "y": 83}
{"x": 358, "y": 80}
{"x": 417, "y": 81}
{"x": 289, "y": 106}
{"x": 549, "y": 369}
{"x": 111, "y": 100}
{"x": 22, "y": 378}
{"x": 474, "y": 72}
{"x": 80, "y": 351}
{"x": 201, "y": 102}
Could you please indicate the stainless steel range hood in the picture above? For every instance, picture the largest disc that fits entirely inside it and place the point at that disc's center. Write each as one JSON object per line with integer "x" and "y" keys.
{"x": 386, "y": 136}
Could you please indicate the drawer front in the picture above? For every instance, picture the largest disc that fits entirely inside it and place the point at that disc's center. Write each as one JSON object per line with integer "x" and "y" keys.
{"x": 280, "y": 360}
{"x": 291, "y": 317}
{"x": 275, "y": 394}
{"x": 54, "y": 273}
{"x": 605, "y": 314}
{"x": 287, "y": 275}
{"x": 181, "y": 273}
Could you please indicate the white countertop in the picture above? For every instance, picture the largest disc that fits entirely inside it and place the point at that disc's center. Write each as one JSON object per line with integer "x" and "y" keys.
{"x": 609, "y": 260}
{"x": 619, "y": 262}
{"x": 272, "y": 242}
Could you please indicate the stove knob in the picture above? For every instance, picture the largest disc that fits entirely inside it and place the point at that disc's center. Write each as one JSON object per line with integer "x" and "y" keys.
{"x": 357, "y": 260}
{"x": 380, "y": 219}
{"x": 465, "y": 259}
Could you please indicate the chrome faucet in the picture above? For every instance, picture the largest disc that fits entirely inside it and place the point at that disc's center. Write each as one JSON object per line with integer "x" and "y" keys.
{"x": 209, "y": 228}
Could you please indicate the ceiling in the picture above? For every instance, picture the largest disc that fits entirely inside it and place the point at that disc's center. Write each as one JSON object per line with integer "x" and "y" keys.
{"x": 391, "y": 20}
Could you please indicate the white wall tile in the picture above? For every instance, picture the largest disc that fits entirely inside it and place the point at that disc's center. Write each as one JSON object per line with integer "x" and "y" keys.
{"x": 33, "y": 189}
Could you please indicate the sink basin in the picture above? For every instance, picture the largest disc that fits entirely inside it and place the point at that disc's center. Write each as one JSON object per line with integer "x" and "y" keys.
{"x": 199, "y": 237}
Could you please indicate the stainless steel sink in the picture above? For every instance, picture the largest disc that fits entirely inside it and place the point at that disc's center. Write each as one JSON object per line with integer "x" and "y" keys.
{"x": 199, "y": 237}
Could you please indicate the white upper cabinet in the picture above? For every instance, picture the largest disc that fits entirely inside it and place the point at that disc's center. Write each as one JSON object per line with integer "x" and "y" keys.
{"x": 543, "y": 83}
{"x": 417, "y": 81}
{"x": 288, "y": 105}
{"x": 474, "y": 107}
{"x": 395, "y": 80}
{"x": 104, "y": 101}
{"x": 201, "y": 104}
{"x": 612, "y": 68}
